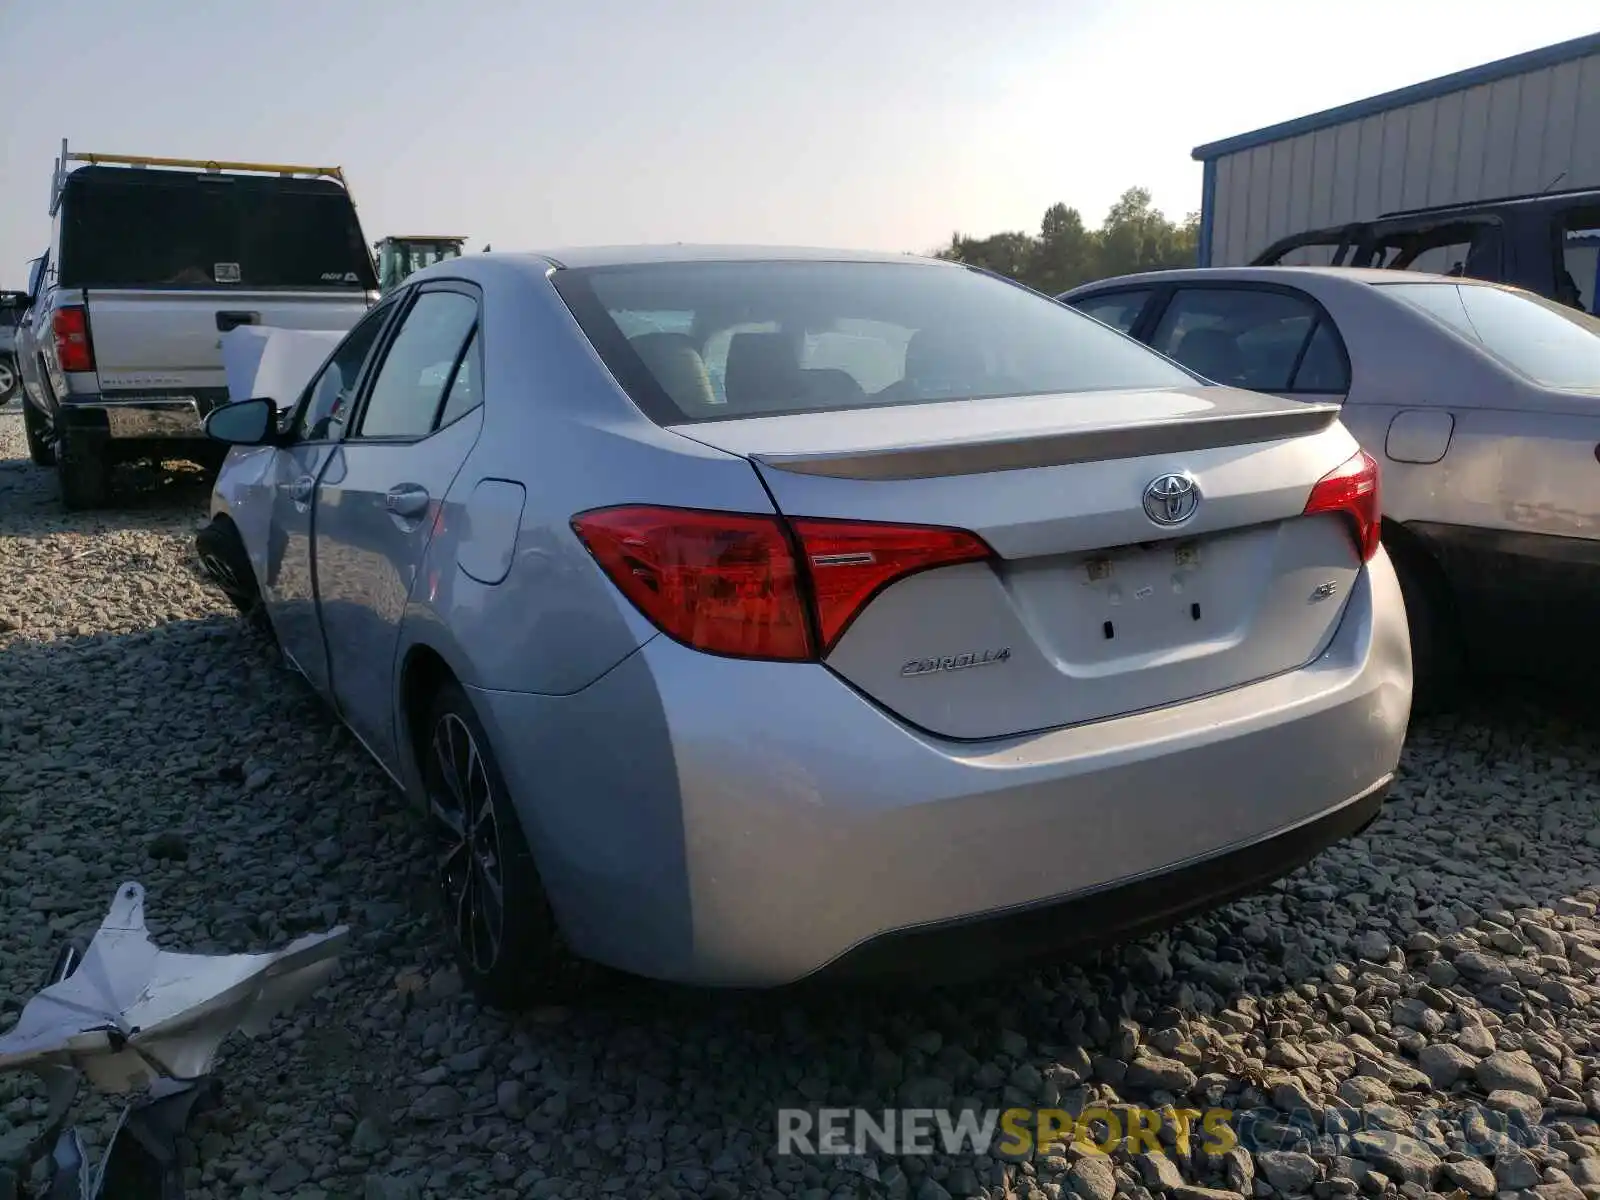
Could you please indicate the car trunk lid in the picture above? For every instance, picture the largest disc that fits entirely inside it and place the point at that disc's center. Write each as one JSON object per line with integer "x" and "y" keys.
{"x": 1092, "y": 606}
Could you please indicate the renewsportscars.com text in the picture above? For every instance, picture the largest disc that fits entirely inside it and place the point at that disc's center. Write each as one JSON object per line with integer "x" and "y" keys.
{"x": 1019, "y": 1132}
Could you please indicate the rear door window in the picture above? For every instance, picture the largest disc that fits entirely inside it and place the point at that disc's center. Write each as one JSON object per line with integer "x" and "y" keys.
{"x": 1552, "y": 344}
{"x": 1267, "y": 341}
{"x": 172, "y": 229}
{"x": 1120, "y": 310}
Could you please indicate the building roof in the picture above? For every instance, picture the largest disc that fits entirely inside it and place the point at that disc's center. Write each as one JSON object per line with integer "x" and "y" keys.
{"x": 1416, "y": 93}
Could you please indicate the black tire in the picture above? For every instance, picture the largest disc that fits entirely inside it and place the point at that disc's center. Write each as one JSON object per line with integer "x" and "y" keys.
{"x": 37, "y": 428}
{"x": 10, "y": 382}
{"x": 84, "y": 471}
{"x": 509, "y": 950}
{"x": 1438, "y": 665}
{"x": 226, "y": 564}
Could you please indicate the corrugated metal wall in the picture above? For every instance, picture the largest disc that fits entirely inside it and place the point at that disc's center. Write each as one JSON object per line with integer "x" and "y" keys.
{"x": 1497, "y": 139}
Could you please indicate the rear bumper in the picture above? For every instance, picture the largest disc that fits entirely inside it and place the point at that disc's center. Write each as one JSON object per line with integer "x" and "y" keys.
{"x": 749, "y": 824}
{"x": 1110, "y": 914}
{"x": 167, "y": 417}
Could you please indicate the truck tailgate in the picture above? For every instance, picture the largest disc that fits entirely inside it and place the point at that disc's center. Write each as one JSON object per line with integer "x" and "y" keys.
{"x": 173, "y": 339}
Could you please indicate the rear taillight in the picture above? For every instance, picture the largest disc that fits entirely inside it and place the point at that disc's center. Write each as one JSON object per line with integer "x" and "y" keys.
{"x": 728, "y": 583}
{"x": 71, "y": 329}
{"x": 1352, "y": 489}
{"x": 721, "y": 582}
{"x": 850, "y": 562}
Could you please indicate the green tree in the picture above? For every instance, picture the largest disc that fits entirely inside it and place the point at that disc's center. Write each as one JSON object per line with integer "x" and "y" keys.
{"x": 1064, "y": 254}
{"x": 1008, "y": 253}
{"x": 1134, "y": 237}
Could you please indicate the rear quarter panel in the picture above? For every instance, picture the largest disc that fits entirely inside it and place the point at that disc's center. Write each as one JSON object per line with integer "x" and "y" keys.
{"x": 1400, "y": 363}
{"x": 558, "y": 425}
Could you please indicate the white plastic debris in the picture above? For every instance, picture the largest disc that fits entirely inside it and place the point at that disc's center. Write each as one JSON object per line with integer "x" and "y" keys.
{"x": 262, "y": 360}
{"x": 132, "y": 1014}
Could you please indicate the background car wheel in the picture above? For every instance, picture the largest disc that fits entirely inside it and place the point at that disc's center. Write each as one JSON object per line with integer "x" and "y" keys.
{"x": 225, "y": 562}
{"x": 84, "y": 472}
{"x": 1438, "y": 665}
{"x": 37, "y": 429}
{"x": 495, "y": 910}
{"x": 8, "y": 378}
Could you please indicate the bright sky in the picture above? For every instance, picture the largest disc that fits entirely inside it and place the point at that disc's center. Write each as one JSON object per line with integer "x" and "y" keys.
{"x": 884, "y": 124}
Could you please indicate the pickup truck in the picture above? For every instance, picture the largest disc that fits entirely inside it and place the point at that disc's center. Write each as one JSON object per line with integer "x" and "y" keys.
{"x": 150, "y": 262}
{"x": 1547, "y": 243}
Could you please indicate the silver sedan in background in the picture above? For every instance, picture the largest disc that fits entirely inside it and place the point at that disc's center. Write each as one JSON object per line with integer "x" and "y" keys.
{"x": 737, "y": 614}
{"x": 1481, "y": 402}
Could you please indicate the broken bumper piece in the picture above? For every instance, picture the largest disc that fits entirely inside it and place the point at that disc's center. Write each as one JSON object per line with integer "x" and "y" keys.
{"x": 127, "y": 1016}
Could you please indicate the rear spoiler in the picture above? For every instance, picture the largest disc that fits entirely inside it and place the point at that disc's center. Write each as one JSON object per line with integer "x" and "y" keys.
{"x": 58, "y": 177}
{"x": 914, "y": 459}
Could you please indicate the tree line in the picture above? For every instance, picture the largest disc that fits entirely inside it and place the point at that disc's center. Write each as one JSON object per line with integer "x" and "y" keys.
{"x": 1064, "y": 253}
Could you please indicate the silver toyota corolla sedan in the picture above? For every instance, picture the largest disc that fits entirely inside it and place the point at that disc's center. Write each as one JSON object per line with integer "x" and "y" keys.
{"x": 1481, "y": 402}
{"x": 738, "y": 614}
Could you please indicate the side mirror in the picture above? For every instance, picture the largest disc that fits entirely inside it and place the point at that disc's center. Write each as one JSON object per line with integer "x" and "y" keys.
{"x": 245, "y": 423}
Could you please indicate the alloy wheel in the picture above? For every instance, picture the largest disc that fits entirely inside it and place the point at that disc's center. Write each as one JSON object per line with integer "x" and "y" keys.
{"x": 8, "y": 380}
{"x": 467, "y": 842}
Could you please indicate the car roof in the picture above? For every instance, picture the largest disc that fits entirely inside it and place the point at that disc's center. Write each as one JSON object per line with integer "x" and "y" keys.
{"x": 679, "y": 252}
{"x": 1367, "y": 275}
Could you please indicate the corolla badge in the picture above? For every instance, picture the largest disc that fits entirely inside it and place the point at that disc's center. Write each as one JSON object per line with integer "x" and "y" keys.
{"x": 957, "y": 662}
{"x": 1171, "y": 499}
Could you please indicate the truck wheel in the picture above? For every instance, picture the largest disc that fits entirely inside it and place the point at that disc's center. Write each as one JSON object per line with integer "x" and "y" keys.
{"x": 8, "y": 378}
{"x": 34, "y": 424}
{"x": 84, "y": 471}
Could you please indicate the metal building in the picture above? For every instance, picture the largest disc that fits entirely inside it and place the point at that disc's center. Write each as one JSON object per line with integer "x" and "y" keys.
{"x": 1520, "y": 125}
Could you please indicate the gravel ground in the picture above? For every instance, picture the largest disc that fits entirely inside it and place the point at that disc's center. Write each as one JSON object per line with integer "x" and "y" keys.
{"x": 1445, "y": 967}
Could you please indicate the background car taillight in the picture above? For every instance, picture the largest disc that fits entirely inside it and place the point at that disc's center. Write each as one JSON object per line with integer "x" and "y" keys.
{"x": 1352, "y": 489}
{"x": 729, "y": 583}
{"x": 70, "y": 327}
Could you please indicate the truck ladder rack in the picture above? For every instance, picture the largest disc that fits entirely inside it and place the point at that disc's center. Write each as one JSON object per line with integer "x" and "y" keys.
{"x": 211, "y": 166}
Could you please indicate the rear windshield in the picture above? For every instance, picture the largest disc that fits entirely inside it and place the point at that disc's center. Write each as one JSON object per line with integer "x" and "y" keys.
{"x": 1549, "y": 343}
{"x": 712, "y": 341}
{"x": 123, "y": 227}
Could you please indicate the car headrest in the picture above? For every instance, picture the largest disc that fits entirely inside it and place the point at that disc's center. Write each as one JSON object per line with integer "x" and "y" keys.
{"x": 675, "y": 361}
{"x": 762, "y": 371}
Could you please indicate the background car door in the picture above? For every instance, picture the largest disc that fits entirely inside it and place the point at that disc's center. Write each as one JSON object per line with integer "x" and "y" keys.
{"x": 288, "y": 587}
{"x": 1514, "y": 518}
{"x": 1266, "y": 338}
{"x": 380, "y": 493}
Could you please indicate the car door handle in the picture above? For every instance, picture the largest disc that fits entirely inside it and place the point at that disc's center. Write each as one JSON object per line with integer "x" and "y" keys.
{"x": 407, "y": 500}
{"x": 300, "y": 489}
